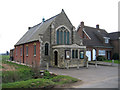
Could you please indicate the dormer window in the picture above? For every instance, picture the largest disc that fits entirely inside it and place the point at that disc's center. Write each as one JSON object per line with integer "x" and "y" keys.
{"x": 106, "y": 39}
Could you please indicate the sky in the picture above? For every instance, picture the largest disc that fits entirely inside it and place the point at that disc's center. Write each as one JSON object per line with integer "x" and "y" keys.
{"x": 17, "y": 15}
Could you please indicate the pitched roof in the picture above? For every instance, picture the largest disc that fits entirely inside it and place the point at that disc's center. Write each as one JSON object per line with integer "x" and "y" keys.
{"x": 97, "y": 37}
{"x": 114, "y": 35}
{"x": 33, "y": 33}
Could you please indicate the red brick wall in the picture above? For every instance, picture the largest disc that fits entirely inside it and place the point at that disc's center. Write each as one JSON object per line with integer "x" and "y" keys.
{"x": 97, "y": 51}
{"x": 115, "y": 44}
{"x": 81, "y": 33}
{"x": 30, "y": 58}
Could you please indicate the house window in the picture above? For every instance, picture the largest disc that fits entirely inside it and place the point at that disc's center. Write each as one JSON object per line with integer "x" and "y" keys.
{"x": 34, "y": 50}
{"x": 81, "y": 55}
{"x": 64, "y": 37}
{"x": 21, "y": 51}
{"x": 102, "y": 52}
{"x": 46, "y": 48}
{"x": 16, "y": 51}
{"x": 61, "y": 37}
{"x": 67, "y": 37}
{"x": 67, "y": 54}
{"x": 106, "y": 40}
{"x": 73, "y": 53}
{"x": 57, "y": 36}
{"x": 26, "y": 50}
{"x": 76, "y": 54}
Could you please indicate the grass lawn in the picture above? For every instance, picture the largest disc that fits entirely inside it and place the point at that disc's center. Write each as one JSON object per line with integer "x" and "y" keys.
{"x": 41, "y": 83}
{"x": 20, "y": 73}
{"x": 23, "y": 77}
{"x": 110, "y": 61}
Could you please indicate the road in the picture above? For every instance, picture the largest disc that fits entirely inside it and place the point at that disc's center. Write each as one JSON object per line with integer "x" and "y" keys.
{"x": 100, "y": 77}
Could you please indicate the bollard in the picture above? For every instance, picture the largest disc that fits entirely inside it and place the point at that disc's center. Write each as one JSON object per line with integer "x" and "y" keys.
{"x": 47, "y": 66}
{"x": 78, "y": 65}
{"x": 112, "y": 62}
{"x": 96, "y": 64}
{"x": 87, "y": 65}
{"x": 67, "y": 65}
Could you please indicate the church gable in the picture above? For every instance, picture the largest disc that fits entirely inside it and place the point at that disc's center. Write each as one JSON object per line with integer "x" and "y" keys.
{"x": 61, "y": 30}
{"x": 62, "y": 19}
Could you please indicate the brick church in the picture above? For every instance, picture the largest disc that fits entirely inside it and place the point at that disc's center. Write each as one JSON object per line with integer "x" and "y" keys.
{"x": 54, "y": 41}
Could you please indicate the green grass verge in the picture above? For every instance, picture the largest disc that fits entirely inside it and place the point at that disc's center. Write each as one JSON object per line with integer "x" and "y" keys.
{"x": 33, "y": 83}
{"x": 1, "y": 67}
{"x": 61, "y": 79}
{"x": 21, "y": 73}
{"x": 41, "y": 83}
{"x": 110, "y": 61}
{"x": 5, "y": 57}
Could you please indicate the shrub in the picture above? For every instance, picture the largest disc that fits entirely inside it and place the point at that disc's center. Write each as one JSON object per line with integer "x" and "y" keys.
{"x": 100, "y": 58}
{"x": 47, "y": 75}
{"x": 115, "y": 56}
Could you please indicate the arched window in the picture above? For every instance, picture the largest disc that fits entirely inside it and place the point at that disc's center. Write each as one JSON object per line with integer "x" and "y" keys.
{"x": 64, "y": 37}
{"x": 67, "y": 37}
{"x": 46, "y": 48}
{"x": 57, "y": 36}
{"x": 61, "y": 37}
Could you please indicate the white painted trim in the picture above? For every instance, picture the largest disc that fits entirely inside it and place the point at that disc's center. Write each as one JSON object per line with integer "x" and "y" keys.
{"x": 86, "y": 33}
{"x": 106, "y": 37}
{"x": 55, "y": 50}
{"x": 63, "y": 26}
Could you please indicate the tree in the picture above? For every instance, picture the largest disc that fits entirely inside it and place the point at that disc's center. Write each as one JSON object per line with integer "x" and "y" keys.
{"x": 7, "y": 53}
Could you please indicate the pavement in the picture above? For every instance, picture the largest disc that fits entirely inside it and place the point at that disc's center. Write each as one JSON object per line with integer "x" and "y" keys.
{"x": 103, "y": 63}
{"x": 100, "y": 77}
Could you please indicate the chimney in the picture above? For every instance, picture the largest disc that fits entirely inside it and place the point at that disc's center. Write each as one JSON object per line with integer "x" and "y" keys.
{"x": 97, "y": 26}
{"x": 82, "y": 23}
{"x": 29, "y": 28}
{"x": 43, "y": 20}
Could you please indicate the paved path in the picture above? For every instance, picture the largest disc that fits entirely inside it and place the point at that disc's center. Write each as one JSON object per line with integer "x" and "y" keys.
{"x": 100, "y": 77}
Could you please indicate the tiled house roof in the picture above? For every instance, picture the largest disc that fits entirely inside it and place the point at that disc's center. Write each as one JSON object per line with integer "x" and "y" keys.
{"x": 96, "y": 37}
{"x": 114, "y": 35}
{"x": 33, "y": 33}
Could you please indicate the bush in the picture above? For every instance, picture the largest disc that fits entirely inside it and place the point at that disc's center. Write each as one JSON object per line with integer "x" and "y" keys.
{"x": 115, "y": 56}
{"x": 101, "y": 58}
{"x": 47, "y": 75}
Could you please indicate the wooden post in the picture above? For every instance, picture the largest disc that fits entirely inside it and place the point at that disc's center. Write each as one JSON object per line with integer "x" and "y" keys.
{"x": 96, "y": 63}
{"x": 67, "y": 64}
{"x": 87, "y": 64}
{"x": 78, "y": 65}
{"x": 47, "y": 66}
{"x": 112, "y": 62}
